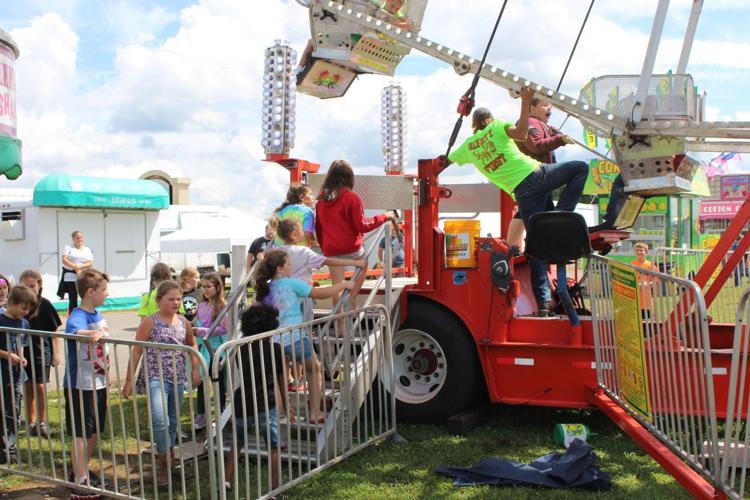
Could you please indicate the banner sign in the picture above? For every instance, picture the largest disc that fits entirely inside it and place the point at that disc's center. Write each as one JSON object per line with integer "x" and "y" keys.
{"x": 631, "y": 358}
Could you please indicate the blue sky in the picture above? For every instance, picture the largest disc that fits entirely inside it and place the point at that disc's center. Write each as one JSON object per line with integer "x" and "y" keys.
{"x": 120, "y": 87}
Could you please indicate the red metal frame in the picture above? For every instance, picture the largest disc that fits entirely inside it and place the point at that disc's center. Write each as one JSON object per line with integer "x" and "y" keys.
{"x": 295, "y": 166}
{"x": 693, "y": 482}
{"x": 523, "y": 359}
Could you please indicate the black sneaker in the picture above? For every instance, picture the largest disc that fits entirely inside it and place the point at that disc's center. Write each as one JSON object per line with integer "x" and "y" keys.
{"x": 81, "y": 494}
{"x": 42, "y": 431}
{"x": 8, "y": 456}
{"x": 96, "y": 481}
{"x": 33, "y": 430}
{"x": 544, "y": 310}
{"x": 604, "y": 226}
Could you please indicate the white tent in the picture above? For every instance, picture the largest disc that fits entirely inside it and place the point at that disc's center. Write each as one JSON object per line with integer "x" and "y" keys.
{"x": 215, "y": 233}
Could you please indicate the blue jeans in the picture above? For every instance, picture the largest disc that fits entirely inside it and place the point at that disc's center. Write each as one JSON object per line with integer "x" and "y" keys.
{"x": 532, "y": 195}
{"x": 268, "y": 427}
{"x": 164, "y": 419}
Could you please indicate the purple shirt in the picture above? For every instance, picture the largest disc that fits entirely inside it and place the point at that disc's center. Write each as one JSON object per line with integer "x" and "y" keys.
{"x": 166, "y": 363}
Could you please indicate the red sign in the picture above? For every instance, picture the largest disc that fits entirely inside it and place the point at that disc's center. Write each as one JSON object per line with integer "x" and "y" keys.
{"x": 719, "y": 209}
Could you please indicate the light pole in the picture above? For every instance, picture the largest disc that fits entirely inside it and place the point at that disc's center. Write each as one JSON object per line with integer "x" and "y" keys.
{"x": 393, "y": 128}
{"x": 279, "y": 103}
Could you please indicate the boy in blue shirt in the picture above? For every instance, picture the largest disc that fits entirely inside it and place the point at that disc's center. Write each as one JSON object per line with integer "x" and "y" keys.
{"x": 21, "y": 300}
{"x": 85, "y": 381}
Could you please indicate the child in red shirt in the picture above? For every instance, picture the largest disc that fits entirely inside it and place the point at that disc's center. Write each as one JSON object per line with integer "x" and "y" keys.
{"x": 340, "y": 221}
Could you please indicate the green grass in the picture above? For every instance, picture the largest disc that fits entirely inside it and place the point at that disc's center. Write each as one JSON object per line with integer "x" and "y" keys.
{"x": 390, "y": 470}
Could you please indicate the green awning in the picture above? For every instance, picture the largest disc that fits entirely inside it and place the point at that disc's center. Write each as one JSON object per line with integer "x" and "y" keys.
{"x": 10, "y": 157}
{"x": 61, "y": 190}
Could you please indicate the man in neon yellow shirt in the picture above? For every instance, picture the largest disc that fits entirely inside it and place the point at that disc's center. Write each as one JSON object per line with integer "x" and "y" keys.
{"x": 494, "y": 153}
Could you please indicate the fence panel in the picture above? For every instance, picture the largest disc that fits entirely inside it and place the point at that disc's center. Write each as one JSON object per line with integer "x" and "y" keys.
{"x": 735, "y": 449}
{"x": 685, "y": 262}
{"x": 653, "y": 357}
{"x": 89, "y": 421}
{"x": 274, "y": 437}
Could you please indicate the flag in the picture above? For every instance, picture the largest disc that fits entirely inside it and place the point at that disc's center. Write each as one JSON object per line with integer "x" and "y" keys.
{"x": 612, "y": 98}
{"x": 587, "y": 96}
{"x": 590, "y": 139}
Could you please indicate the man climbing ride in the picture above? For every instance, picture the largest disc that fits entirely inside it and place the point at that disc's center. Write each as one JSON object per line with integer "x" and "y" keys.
{"x": 492, "y": 150}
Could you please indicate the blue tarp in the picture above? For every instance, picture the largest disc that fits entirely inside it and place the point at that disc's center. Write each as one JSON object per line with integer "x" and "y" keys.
{"x": 575, "y": 468}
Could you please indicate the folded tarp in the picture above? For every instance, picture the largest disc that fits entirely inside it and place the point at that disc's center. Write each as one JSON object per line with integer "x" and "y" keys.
{"x": 575, "y": 468}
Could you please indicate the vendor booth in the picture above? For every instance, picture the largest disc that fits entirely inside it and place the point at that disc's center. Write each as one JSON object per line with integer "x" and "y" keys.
{"x": 119, "y": 220}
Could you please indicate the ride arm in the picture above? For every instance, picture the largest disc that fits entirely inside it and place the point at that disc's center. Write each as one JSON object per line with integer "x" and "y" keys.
{"x": 464, "y": 64}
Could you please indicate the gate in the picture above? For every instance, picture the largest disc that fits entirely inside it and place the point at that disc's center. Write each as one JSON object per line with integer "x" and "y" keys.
{"x": 278, "y": 440}
{"x": 735, "y": 448}
{"x": 124, "y": 459}
{"x": 653, "y": 358}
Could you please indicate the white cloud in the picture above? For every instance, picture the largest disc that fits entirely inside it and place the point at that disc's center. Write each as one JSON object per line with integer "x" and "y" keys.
{"x": 46, "y": 68}
{"x": 189, "y": 103}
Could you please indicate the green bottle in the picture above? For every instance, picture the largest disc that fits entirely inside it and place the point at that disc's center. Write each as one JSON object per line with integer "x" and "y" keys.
{"x": 564, "y": 434}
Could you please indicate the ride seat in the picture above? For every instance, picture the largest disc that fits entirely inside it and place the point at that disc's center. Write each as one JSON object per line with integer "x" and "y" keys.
{"x": 557, "y": 237}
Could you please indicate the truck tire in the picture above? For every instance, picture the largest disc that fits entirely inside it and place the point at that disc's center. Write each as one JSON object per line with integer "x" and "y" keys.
{"x": 437, "y": 372}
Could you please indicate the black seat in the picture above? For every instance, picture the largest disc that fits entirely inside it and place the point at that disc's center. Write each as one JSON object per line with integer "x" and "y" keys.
{"x": 557, "y": 237}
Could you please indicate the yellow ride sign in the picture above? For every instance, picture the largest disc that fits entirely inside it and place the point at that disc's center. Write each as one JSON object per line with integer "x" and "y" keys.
{"x": 631, "y": 358}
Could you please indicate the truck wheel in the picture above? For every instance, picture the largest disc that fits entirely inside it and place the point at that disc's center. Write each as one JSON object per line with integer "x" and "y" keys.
{"x": 435, "y": 365}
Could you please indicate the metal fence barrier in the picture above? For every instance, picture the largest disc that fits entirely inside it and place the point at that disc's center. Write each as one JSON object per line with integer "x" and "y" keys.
{"x": 356, "y": 410}
{"x": 660, "y": 371}
{"x": 123, "y": 460}
{"x": 685, "y": 262}
{"x": 735, "y": 449}
{"x": 273, "y": 437}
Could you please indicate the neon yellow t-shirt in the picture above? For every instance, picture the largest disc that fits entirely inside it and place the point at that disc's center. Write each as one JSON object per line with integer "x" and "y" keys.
{"x": 496, "y": 156}
{"x": 148, "y": 305}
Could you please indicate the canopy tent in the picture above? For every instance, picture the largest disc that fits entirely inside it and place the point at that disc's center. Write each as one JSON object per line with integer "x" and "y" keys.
{"x": 60, "y": 190}
{"x": 215, "y": 233}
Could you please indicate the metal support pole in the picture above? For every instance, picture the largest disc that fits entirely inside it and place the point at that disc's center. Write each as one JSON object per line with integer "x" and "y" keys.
{"x": 239, "y": 256}
{"x": 687, "y": 44}
{"x": 649, "y": 60}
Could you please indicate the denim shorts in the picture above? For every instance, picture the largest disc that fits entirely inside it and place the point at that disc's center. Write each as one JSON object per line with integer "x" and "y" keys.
{"x": 354, "y": 255}
{"x": 303, "y": 349}
{"x": 266, "y": 426}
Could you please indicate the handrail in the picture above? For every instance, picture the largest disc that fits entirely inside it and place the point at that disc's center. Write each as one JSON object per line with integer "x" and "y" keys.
{"x": 233, "y": 298}
{"x": 360, "y": 270}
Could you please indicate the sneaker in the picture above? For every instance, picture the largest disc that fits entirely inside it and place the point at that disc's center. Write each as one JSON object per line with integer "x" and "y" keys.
{"x": 96, "y": 481}
{"x": 199, "y": 422}
{"x": 80, "y": 494}
{"x": 8, "y": 456}
{"x": 544, "y": 310}
{"x": 607, "y": 225}
{"x": 42, "y": 430}
{"x": 33, "y": 430}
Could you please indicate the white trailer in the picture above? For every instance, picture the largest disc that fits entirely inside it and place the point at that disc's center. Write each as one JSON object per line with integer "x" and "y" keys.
{"x": 118, "y": 217}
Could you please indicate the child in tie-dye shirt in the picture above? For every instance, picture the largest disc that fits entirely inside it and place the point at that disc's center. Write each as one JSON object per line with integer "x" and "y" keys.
{"x": 298, "y": 205}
